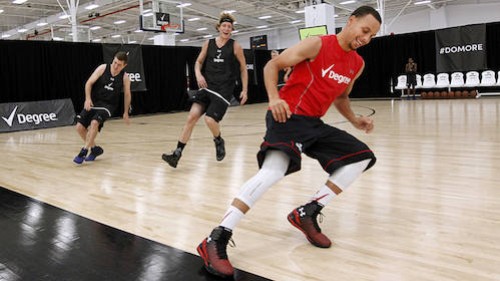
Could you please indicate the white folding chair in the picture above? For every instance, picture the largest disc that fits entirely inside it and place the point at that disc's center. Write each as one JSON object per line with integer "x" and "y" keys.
{"x": 487, "y": 78}
{"x": 457, "y": 80}
{"x": 401, "y": 83}
{"x": 429, "y": 81}
{"x": 419, "y": 81}
{"x": 498, "y": 82}
{"x": 472, "y": 79}
{"x": 442, "y": 80}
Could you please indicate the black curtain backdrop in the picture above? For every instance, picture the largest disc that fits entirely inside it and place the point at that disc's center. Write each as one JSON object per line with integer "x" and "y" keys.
{"x": 385, "y": 59}
{"x": 493, "y": 45}
{"x": 45, "y": 70}
{"x": 39, "y": 70}
{"x": 165, "y": 71}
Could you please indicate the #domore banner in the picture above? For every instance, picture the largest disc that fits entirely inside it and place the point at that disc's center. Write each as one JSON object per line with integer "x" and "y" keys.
{"x": 461, "y": 48}
{"x": 18, "y": 116}
{"x": 134, "y": 68}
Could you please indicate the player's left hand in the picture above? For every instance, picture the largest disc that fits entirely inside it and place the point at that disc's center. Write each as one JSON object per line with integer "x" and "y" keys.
{"x": 364, "y": 123}
{"x": 243, "y": 97}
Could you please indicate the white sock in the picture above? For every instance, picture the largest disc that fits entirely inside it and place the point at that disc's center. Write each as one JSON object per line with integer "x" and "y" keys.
{"x": 232, "y": 217}
{"x": 324, "y": 195}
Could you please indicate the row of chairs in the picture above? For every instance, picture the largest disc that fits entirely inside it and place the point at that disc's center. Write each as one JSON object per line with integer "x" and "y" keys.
{"x": 442, "y": 80}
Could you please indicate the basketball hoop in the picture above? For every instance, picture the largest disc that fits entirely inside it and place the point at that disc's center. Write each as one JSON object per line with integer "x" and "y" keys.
{"x": 168, "y": 26}
{"x": 167, "y": 16}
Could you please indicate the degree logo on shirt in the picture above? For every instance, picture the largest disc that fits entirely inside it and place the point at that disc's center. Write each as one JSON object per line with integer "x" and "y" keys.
{"x": 109, "y": 87}
{"x": 217, "y": 58}
{"x": 329, "y": 73}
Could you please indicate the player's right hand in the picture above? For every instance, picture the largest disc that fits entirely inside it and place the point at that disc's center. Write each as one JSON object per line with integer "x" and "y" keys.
{"x": 280, "y": 109}
{"x": 88, "y": 105}
{"x": 201, "y": 82}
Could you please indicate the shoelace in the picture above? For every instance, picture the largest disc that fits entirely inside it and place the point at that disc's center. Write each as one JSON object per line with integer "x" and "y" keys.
{"x": 221, "y": 247}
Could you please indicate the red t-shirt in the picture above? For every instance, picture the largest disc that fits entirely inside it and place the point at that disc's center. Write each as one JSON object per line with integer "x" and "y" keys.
{"x": 314, "y": 85}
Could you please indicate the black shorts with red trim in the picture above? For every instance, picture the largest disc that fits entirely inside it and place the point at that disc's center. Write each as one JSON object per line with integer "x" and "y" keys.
{"x": 332, "y": 147}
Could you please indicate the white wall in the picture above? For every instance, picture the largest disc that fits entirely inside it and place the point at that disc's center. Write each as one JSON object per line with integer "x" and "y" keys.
{"x": 446, "y": 16}
{"x": 276, "y": 39}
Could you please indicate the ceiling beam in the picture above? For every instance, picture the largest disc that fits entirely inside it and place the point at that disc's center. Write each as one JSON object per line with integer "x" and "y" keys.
{"x": 53, "y": 19}
{"x": 214, "y": 13}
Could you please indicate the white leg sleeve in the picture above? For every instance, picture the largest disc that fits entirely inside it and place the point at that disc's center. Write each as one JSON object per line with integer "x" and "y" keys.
{"x": 345, "y": 176}
{"x": 273, "y": 169}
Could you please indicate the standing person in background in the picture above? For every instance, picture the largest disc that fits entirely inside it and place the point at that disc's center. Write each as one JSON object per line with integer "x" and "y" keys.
{"x": 411, "y": 77}
{"x": 325, "y": 69}
{"x": 214, "y": 69}
{"x": 284, "y": 73}
{"x": 102, "y": 95}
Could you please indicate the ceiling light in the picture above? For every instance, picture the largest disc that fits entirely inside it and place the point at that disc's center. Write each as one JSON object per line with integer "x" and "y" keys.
{"x": 300, "y": 12}
{"x": 1, "y": 11}
{"x": 41, "y": 24}
{"x": 116, "y": 36}
{"x": 96, "y": 40}
{"x": 132, "y": 42}
{"x": 261, "y": 26}
{"x": 235, "y": 31}
{"x": 202, "y": 28}
{"x": 422, "y": 2}
{"x": 21, "y": 30}
{"x": 95, "y": 27}
{"x": 347, "y": 2}
{"x": 147, "y": 14}
{"x": 229, "y": 11}
{"x": 184, "y": 40}
{"x": 193, "y": 19}
{"x": 207, "y": 36}
{"x": 57, "y": 38}
{"x": 19, "y": 1}
{"x": 265, "y": 17}
{"x": 5, "y": 35}
{"x": 91, "y": 6}
{"x": 295, "y": 21}
{"x": 120, "y": 21}
{"x": 64, "y": 17}
{"x": 139, "y": 30}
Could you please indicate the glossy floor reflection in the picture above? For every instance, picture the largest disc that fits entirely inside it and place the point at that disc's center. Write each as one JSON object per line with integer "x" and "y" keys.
{"x": 41, "y": 242}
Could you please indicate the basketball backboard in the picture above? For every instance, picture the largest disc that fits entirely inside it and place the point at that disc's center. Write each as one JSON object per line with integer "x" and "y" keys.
{"x": 161, "y": 16}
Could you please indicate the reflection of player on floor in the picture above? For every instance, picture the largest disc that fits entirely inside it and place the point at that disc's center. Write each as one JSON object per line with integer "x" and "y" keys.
{"x": 324, "y": 73}
{"x": 102, "y": 92}
{"x": 217, "y": 79}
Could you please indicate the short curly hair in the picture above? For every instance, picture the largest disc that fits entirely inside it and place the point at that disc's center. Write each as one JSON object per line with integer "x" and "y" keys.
{"x": 225, "y": 17}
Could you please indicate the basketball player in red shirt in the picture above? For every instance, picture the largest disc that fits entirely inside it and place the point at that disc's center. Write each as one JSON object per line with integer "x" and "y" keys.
{"x": 324, "y": 73}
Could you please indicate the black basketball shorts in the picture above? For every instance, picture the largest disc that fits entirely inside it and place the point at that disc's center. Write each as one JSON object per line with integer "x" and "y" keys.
{"x": 332, "y": 147}
{"x": 215, "y": 104}
{"x": 99, "y": 114}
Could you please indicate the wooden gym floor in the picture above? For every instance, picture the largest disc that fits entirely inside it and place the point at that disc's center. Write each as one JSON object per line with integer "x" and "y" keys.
{"x": 428, "y": 210}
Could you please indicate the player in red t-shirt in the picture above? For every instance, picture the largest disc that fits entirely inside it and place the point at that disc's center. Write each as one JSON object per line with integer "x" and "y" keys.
{"x": 324, "y": 73}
